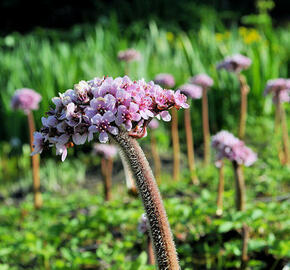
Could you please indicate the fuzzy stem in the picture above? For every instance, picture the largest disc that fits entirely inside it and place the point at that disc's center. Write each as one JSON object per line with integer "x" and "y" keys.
{"x": 278, "y": 127}
{"x": 205, "y": 126}
{"x": 162, "y": 240}
{"x": 240, "y": 187}
{"x": 219, "y": 211}
{"x": 277, "y": 116}
{"x": 241, "y": 205}
{"x": 107, "y": 167}
{"x": 244, "y": 88}
{"x": 150, "y": 252}
{"x": 190, "y": 146}
{"x": 128, "y": 175}
{"x": 246, "y": 237}
{"x": 175, "y": 144}
{"x": 285, "y": 137}
{"x": 35, "y": 165}
{"x": 156, "y": 157}
{"x": 126, "y": 68}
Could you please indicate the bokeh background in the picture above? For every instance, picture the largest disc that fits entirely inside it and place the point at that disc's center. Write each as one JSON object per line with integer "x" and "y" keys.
{"x": 51, "y": 45}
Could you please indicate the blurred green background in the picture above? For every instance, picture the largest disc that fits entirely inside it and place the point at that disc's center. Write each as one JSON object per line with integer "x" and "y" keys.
{"x": 51, "y": 45}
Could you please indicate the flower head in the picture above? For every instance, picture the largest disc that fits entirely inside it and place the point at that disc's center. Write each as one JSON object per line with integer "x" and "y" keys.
{"x": 104, "y": 106}
{"x": 191, "y": 90}
{"x": 129, "y": 55}
{"x": 202, "y": 79}
{"x": 25, "y": 99}
{"x": 230, "y": 147}
{"x": 165, "y": 80}
{"x": 279, "y": 88}
{"x": 106, "y": 150}
{"x": 235, "y": 63}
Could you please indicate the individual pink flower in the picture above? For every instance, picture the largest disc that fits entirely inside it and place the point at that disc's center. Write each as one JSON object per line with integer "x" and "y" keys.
{"x": 235, "y": 63}
{"x": 129, "y": 55}
{"x": 105, "y": 150}
{"x": 154, "y": 124}
{"x": 180, "y": 100}
{"x": 230, "y": 147}
{"x": 202, "y": 80}
{"x": 25, "y": 99}
{"x": 102, "y": 124}
{"x": 165, "y": 80}
{"x": 104, "y": 106}
{"x": 83, "y": 91}
{"x": 191, "y": 90}
{"x": 127, "y": 115}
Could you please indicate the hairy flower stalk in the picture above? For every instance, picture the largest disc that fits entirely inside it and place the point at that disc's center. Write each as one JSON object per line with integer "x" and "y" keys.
{"x": 190, "y": 146}
{"x": 230, "y": 147}
{"x": 236, "y": 64}
{"x": 244, "y": 88}
{"x": 280, "y": 90}
{"x": 106, "y": 169}
{"x": 35, "y": 165}
{"x": 221, "y": 184}
{"x": 175, "y": 144}
{"x": 154, "y": 149}
{"x": 167, "y": 81}
{"x": 107, "y": 153}
{"x": 205, "y": 82}
{"x": 28, "y": 100}
{"x": 129, "y": 177}
{"x": 143, "y": 227}
{"x": 240, "y": 187}
{"x": 119, "y": 109}
{"x": 192, "y": 92}
{"x": 285, "y": 138}
{"x": 164, "y": 248}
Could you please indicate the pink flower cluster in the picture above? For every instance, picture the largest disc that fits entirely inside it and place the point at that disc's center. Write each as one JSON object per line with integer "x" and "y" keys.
{"x": 105, "y": 150}
{"x": 25, "y": 99}
{"x": 230, "y": 147}
{"x": 191, "y": 90}
{"x": 203, "y": 80}
{"x": 129, "y": 55}
{"x": 165, "y": 80}
{"x": 104, "y": 106}
{"x": 280, "y": 89}
{"x": 235, "y": 63}
{"x": 143, "y": 226}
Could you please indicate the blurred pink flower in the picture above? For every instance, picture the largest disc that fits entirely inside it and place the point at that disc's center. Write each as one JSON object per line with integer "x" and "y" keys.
{"x": 129, "y": 55}
{"x": 105, "y": 150}
{"x": 235, "y": 63}
{"x": 230, "y": 147}
{"x": 25, "y": 99}
{"x": 165, "y": 80}
{"x": 191, "y": 90}
{"x": 202, "y": 79}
